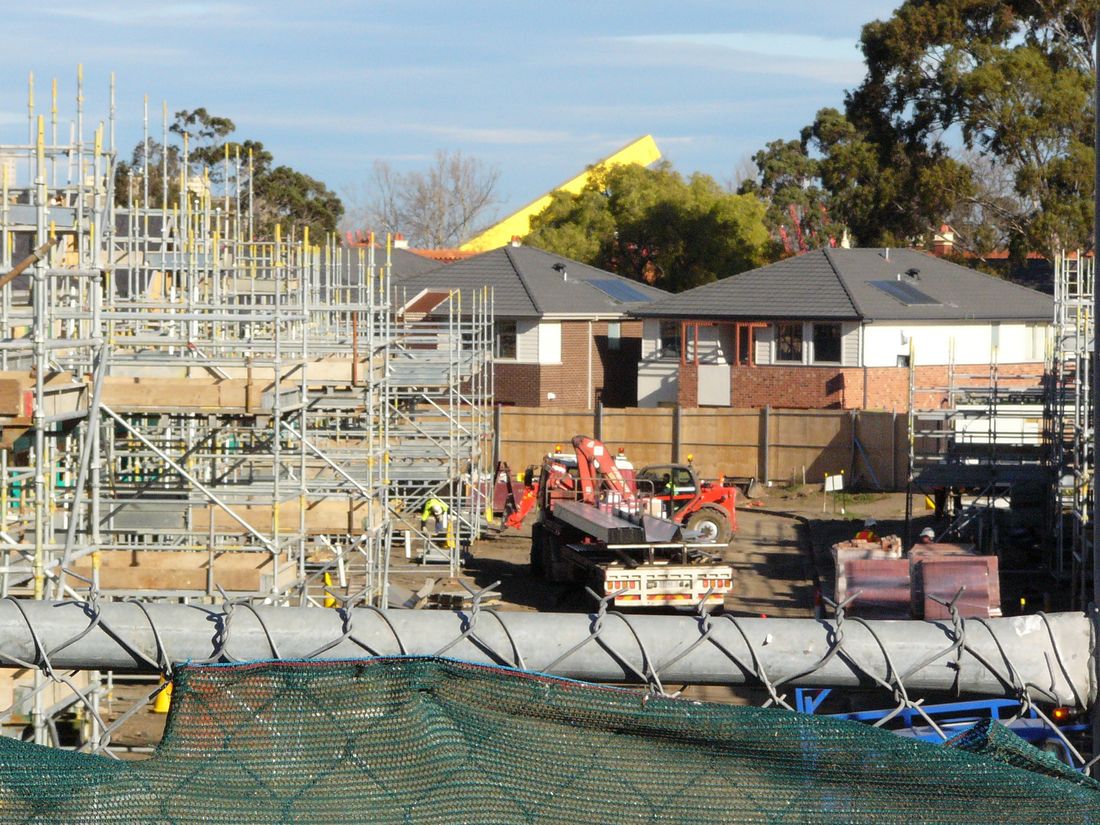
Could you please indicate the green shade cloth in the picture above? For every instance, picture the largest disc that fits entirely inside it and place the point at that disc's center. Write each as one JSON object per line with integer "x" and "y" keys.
{"x": 423, "y": 740}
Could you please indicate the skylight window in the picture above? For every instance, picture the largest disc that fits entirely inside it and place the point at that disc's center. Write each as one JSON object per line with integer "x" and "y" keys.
{"x": 904, "y": 293}
{"x": 619, "y": 291}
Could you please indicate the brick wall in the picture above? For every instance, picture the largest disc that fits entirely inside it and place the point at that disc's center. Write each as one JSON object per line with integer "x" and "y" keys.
{"x": 614, "y": 373}
{"x": 516, "y": 384}
{"x": 886, "y": 388}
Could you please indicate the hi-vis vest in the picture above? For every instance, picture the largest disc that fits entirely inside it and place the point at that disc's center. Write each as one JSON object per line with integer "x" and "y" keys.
{"x": 433, "y": 504}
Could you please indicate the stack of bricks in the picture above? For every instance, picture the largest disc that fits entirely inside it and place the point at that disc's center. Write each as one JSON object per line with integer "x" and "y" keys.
{"x": 938, "y": 571}
{"x": 886, "y": 549}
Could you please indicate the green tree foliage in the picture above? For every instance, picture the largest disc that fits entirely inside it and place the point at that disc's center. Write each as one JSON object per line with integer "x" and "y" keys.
{"x": 1014, "y": 81}
{"x": 279, "y": 194}
{"x": 655, "y": 225}
{"x": 798, "y": 209}
{"x": 972, "y": 112}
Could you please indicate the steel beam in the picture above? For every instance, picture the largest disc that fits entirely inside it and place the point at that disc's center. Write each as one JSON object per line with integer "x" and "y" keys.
{"x": 602, "y": 525}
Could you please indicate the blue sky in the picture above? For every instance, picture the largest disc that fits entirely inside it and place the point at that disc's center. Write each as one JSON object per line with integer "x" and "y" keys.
{"x": 538, "y": 89}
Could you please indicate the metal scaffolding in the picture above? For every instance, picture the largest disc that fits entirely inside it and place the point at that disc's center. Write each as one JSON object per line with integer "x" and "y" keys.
{"x": 440, "y": 419}
{"x": 1070, "y": 421}
{"x": 182, "y": 396}
{"x": 978, "y": 433}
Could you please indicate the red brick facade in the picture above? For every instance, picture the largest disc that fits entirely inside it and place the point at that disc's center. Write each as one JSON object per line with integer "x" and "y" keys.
{"x": 614, "y": 372}
{"x": 872, "y": 388}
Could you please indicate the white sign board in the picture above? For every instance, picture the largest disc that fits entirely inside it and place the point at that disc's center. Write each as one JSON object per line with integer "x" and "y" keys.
{"x": 834, "y": 484}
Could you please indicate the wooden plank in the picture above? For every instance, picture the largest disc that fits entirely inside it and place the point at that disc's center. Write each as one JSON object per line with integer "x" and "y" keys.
{"x": 182, "y": 570}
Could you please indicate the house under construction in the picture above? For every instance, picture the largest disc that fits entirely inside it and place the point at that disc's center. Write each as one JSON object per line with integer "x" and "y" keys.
{"x": 190, "y": 410}
{"x": 995, "y": 439}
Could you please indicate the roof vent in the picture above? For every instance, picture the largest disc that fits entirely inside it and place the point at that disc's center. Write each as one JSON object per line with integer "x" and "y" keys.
{"x": 913, "y": 273}
{"x": 885, "y": 253}
{"x": 560, "y": 267}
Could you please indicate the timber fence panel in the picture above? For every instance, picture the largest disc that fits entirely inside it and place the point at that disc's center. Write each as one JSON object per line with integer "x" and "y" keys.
{"x": 876, "y": 456}
{"x": 808, "y": 444}
{"x": 645, "y": 434}
{"x": 722, "y": 441}
{"x": 528, "y": 433}
{"x": 725, "y": 441}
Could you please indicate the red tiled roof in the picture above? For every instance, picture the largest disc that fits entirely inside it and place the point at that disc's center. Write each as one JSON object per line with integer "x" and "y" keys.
{"x": 447, "y": 256}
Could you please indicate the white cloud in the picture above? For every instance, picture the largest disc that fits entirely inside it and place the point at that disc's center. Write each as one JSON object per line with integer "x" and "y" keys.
{"x": 123, "y": 14}
{"x": 810, "y": 57}
{"x": 509, "y": 136}
{"x": 374, "y": 124}
{"x": 795, "y": 46}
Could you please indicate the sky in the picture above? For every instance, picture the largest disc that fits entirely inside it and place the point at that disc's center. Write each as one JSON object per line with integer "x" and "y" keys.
{"x": 538, "y": 89}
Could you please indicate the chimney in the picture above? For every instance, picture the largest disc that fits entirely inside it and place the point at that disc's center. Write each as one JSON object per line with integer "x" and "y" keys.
{"x": 943, "y": 241}
{"x": 399, "y": 241}
{"x": 517, "y": 240}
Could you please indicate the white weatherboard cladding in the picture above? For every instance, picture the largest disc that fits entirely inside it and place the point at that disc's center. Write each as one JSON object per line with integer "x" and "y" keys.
{"x": 527, "y": 342}
{"x": 762, "y": 344}
{"x": 651, "y": 338}
{"x": 973, "y": 343}
{"x": 659, "y": 382}
{"x": 549, "y": 342}
{"x": 715, "y": 344}
{"x": 849, "y": 344}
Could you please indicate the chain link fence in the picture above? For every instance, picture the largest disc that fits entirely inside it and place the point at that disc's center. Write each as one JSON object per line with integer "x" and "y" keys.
{"x": 63, "y": 650}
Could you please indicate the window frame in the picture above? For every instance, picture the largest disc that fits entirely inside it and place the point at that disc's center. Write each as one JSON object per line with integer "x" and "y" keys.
{"x": 779, "y": 336}
{"x": 614, "y": 336}
{"x": 666, "y": 349}
{"x": 499, "y": 334}
{"x": 839, "y": 343}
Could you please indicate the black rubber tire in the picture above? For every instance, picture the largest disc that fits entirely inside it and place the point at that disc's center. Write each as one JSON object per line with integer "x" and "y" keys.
{"x": 549, "y": 555}
{"x": 711, "y": 519}
{"x": 536, "y": 550}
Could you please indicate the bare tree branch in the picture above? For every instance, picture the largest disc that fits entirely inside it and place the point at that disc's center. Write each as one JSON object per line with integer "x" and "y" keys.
{"x": 441, "y": 206}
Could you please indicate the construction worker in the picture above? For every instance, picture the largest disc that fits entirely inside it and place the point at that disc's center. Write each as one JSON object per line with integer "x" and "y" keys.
{"x": 927, "y": 536}
{"x": 437, "y": 510}
{"x": 868, "y": 532}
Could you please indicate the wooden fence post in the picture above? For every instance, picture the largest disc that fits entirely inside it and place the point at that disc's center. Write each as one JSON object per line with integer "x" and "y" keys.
{"x": 676, "y": 438}
{"x": 762, "y": 466}
{"x": 497, "y": 416}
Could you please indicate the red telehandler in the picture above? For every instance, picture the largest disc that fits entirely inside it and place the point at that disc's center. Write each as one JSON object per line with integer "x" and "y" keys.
{"x": 705, "y": 507}
{"x": 601, "y": 526}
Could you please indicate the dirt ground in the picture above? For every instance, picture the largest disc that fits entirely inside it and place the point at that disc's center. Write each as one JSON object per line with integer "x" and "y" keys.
{"x": 777, "y": 559}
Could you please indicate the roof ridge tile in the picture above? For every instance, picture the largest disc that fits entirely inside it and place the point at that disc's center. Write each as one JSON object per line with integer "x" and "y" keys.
{"x": 522, "y": 279}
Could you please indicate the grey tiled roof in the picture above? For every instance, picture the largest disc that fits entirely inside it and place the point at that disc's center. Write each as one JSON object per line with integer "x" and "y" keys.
{"x": 960, "y": 293}
{"x": 403, "y": 263}
{"x": 802, "y": 287}
{"x": 526, "y": 285}
{"x": 839, "y": 284}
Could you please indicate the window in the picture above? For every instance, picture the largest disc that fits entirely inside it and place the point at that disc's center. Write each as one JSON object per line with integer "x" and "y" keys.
{"x": 504, "y": 346}
{"x": 827, "y": 343}
{"x": 744, "y": 345}
{"x": 788, "y": 342}
{"x": 670, "y": 339}
{"x": 614, "y": 336}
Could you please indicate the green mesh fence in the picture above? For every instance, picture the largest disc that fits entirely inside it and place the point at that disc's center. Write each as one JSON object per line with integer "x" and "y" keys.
{"x": 419, "y": 740}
